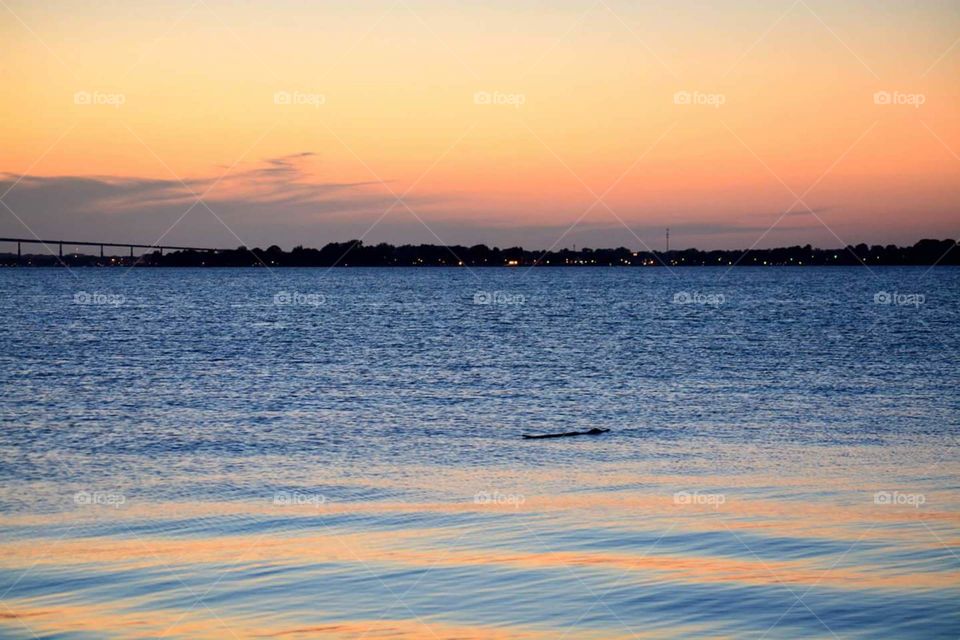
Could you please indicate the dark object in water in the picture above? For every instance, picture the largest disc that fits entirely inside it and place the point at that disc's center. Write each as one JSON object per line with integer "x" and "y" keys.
{"x": 592, "y": 432}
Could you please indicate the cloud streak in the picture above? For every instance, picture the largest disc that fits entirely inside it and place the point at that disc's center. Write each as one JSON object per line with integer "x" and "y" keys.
{"x": 277, "y": 197}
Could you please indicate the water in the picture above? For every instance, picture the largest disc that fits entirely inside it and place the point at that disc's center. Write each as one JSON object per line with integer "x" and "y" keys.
{"x": 183, "y": 457}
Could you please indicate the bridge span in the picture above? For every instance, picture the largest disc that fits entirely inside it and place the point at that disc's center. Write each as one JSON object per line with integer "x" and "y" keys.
{"x": 85, "y": 243}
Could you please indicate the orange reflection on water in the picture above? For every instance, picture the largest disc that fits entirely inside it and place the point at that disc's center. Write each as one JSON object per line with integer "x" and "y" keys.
{"x": 420, "y": 549}
{"x": 205, "y": 624}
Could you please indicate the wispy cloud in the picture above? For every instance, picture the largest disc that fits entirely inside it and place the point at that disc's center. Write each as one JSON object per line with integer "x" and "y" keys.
{"x": 266, "y": 199}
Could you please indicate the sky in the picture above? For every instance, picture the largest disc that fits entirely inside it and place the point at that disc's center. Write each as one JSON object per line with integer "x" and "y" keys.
{"x": 545, "y": 124}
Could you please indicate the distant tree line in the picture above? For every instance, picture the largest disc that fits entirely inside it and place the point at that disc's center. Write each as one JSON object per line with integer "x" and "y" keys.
{"x": 357, "y": 254}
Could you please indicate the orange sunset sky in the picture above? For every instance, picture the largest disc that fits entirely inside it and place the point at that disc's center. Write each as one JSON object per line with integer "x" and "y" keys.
{"x": 595, "y": 123}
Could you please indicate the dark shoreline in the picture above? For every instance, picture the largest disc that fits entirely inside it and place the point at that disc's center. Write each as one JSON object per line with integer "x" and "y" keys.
{"x": 357, "y": 254}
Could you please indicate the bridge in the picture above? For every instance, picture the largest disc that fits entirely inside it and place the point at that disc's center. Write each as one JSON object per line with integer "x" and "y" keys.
{"x": 84, "y": 243}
